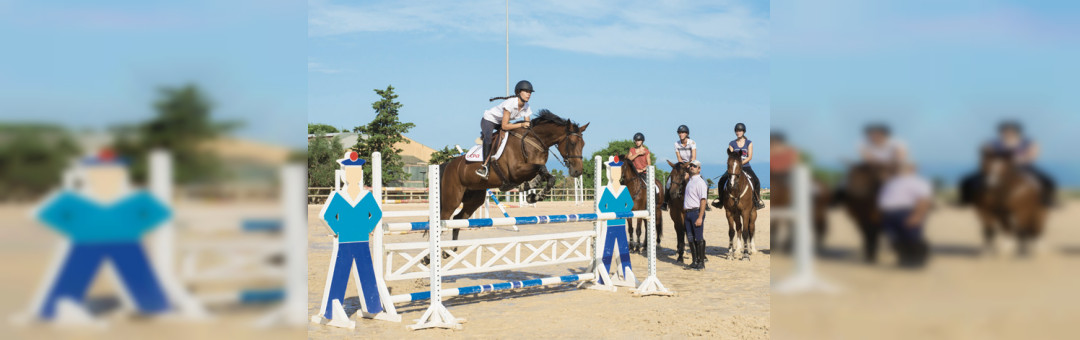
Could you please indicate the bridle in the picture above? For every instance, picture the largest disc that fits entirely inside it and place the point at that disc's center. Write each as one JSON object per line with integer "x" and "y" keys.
{"x": 565, "y": 160}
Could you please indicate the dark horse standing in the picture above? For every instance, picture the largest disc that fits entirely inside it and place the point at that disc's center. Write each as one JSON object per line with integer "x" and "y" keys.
{"x": 1010, "y": 199}
{"x": 676, "y": 196}
{"x": 524, "y": 158}
{"x": 638, "y": 190}
{"x": 860, "y": 196}
{"x": 738, "y": 201}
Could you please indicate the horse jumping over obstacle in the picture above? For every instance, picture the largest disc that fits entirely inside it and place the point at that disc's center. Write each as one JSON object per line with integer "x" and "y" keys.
{"x": 524, "y": 158}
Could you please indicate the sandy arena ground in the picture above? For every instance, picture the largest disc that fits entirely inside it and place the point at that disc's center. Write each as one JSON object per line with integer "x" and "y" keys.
{"x": 961, "y": 295}
{"x": 729, "y": 300}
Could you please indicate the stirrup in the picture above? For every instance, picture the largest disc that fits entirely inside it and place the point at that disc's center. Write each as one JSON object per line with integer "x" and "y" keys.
{"x": 759, "y": 204}
{"x": 482, "y": 171}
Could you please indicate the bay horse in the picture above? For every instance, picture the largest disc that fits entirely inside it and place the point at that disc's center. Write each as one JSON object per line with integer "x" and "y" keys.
{"x": 676, "y": 197}
{"x": 638, "y": 190}
{"x": 1010, "y": 202}
{"x": 738, "y": 202}
{"x": 525, "y": 157}
{"x": 780, "y": 197}
{"x": 859, "y": 196}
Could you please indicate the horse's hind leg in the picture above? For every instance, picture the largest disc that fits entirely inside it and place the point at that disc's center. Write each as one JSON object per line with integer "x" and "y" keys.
{"x": 871, "y": 236}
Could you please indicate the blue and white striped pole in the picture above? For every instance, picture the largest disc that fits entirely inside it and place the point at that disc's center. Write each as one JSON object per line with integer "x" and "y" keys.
{"x": 420, "y": 296}
{"x": 523, "y": 220}
{"x": 500, "y": 205}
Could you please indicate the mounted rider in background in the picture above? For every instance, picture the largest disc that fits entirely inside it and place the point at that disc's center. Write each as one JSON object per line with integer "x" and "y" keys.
{"x": 746, "y": 147}
{"x": 685, "y": 151}
{"x": 1024, "y": 151}
{"x": 640, "y": 156}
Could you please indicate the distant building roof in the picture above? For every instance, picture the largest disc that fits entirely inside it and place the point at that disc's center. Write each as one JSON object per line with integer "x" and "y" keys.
{"x": 409, "y": 148}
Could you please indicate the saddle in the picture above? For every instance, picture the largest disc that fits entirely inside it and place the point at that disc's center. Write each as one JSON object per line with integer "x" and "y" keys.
{"x": 476, "y": 153}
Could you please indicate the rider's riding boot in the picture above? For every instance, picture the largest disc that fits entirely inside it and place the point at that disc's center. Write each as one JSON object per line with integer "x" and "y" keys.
{"x": 758, "y": 203}
{"x": 694, "y": 264}
{"x": 693, "y": 252}
{"x": 701, "y": 255}
{"x": 483, "y": 171}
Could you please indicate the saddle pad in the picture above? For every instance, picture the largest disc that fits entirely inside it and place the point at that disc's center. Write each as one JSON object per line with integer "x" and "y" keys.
{"x": 725, "y": 184}
{"x": 476, "y": 153}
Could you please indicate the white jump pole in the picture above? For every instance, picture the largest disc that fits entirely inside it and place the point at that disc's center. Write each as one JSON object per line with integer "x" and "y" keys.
{"x": 293, "y": 311}
{"x": 805, "y": 278}
{"x": 651, "y": 285}
{"x": 436, "y": 315}
{"x": 163, "y": 241}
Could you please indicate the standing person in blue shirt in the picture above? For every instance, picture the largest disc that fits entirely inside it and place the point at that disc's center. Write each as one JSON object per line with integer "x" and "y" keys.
{"x": 746, "y": 147}
{"x": 905, "y": 201}
{"x": 697, "y": 192}
{"x": 685, "y": 151}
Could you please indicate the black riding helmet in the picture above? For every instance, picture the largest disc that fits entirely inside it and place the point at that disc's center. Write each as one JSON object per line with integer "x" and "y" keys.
{"x": 1009, "y": 125}
{"x": 523, "y": 85}
{"x": 683, "y": 128}
{"x": 740, "y": 127}
{"x": 880, "y": 127}
{"x": 779, "y": 137}
{"x": 639, "y": 137}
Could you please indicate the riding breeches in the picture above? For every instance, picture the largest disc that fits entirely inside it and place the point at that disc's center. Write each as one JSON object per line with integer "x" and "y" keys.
{"x": 487, "y": 128}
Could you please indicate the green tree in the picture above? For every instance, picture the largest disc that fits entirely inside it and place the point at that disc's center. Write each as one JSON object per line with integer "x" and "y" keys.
{"x": 182, "y": 125}
{"x": 32, "y": 157}
{"x": 381, "y": 134}
{"x": 321, "y": 129}
{"x": 442, "y": 156}
{"x": 617, "y": 148}
{"x": 322, "y": 157}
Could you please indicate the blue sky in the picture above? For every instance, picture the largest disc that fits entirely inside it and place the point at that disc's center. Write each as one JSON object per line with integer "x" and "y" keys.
{"x": 943, "y": 75}
{"x": 95, "y": 65}
{"x": 625, "y": 67}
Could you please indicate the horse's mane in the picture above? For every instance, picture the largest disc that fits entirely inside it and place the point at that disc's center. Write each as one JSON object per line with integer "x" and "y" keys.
{"x": 547, "y": 117}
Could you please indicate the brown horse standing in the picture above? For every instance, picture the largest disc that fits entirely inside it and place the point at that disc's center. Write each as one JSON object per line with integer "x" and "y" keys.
{"x": 525, "y": 157}
{"x": 1010, "y": 200}
{"x": 638, "y": 190}
{"x": 860, "y": 196}
{"x": 676, "y": 196}
{"x": 781, "y": 197}
{"x": 738, "y": 201}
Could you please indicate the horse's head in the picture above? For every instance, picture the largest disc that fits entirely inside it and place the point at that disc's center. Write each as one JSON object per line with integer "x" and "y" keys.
{"x": 734, "y": 162}
{"x": 994, "y": 165}
{"x": 566, "y": 136}
{"x": 678, "y": 179}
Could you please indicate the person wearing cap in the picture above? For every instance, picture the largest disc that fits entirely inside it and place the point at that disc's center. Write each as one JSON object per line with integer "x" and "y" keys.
{"x": 905, "y": 201}
{"x": 639, "y": 155}
{"x": 685, "y": 151}
{"x": 1011, "y": 141}
{"x": 746, "y": 148}
{"x": 880, "y": 148}
{"x": 498, "y": 118}
{"x": 697, "y": 192}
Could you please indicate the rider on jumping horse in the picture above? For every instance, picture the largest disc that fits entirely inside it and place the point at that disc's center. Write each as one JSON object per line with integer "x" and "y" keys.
{"x": 1023, "y": 150}
{"x": 746, "y": 147}
{"x": 498, "y": 118}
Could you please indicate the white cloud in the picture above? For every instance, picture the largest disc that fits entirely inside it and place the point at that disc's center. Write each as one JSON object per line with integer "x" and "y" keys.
{"x": 730, "y": 29}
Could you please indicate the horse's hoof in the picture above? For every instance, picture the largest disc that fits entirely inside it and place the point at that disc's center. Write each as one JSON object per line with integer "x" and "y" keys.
{"x": 426, "y": 260}
{"x": 681, "y": 260}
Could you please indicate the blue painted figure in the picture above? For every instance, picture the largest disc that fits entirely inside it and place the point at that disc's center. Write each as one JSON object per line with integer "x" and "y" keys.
{"x": 100, "y": 232}
{"x": 615, "y": 235}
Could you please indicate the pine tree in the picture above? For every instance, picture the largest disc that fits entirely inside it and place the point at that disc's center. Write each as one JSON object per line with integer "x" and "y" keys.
{"x": 381, "y": 134}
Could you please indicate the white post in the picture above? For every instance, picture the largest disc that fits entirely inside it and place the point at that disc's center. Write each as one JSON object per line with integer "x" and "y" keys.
{"x": 651, "y": 285}
{"x": 376, "y": 177}
{"x": 293, "y": 311}
{"x": 597, "y": 265}
{"x": 436, "y": 314}
{"x": 804, "y": 279}
{"x": 163, "y": 240}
